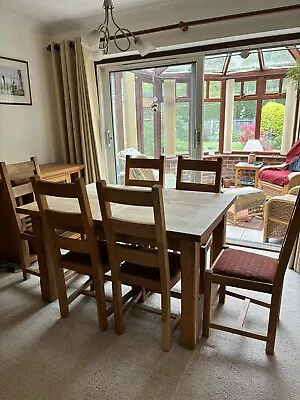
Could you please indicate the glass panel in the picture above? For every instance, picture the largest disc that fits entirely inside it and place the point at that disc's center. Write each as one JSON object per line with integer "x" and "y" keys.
{"x": 272, "y": 117}
{"x": 204, "y": 89}
{"x": 214, "y": 65}
{"x": 284, "y": 85}
{"x": 249, "y": 87}
{"x": 181, "y": 89}
{"x": 244, "y": 120}
{"x": 211, "y": 126}
{"x": 277, "y": 58}
{"x": 183, "y": 68}
{"x": 237, "y": 63}
{"x": 145, "y": 109}
{"x": 237, "y": 88}
{"x": 215, "y": 89}
{"x": 182, "y": 127}
{"x": 272, "y": 86}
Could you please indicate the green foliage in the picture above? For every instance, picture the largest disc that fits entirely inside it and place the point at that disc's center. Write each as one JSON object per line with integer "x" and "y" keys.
{"x": 293, "y": 74}
{"x": 272, "y": 118}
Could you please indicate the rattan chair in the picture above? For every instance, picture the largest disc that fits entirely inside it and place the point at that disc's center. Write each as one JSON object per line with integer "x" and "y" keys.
{"x": 277, "y": 214}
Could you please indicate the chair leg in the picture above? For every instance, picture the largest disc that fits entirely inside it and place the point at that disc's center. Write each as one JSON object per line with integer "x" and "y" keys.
{"x": 98, "y": 283}
{"x": 273, "y": 321}
{"x": 222, "y": 290}
{"x": 24, "y": 258}
{"x": 118, "y": 306}
{"x": 62, "y": 292}
{"x": 166, "y": 321}
{"x": 207, "y": 303}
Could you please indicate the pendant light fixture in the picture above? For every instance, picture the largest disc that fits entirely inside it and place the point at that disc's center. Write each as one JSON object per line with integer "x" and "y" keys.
{"x": 97, "y": 41}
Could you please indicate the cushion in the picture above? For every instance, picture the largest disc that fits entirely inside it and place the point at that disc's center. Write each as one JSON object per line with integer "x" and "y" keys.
{"x": 245, "y": 265}
{"x": 275, "y": 176}
{"x": 85, "y": 259}
{"x": 294, "y": 166}
{"x": 152, "y": 273}
{"x": 294, "y": 152}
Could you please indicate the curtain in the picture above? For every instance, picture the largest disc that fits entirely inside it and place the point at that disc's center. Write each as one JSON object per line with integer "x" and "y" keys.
{"x": 77, "y": 106}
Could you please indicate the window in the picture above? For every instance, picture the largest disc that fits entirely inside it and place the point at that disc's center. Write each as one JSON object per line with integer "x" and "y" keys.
{"x": 272, "y": 86}
{"x": 244, "y": 123}
{"x": 212, "y": 116}
{"x": 271, "y": 125}
{"x": 211, "y": 126}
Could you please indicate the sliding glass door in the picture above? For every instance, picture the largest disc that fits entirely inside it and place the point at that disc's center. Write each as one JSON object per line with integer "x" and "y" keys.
{"x": 153, "y": 111}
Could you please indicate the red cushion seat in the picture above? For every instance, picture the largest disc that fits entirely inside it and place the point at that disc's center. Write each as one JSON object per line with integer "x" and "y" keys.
{"x": 275, "y": 176}
{"x": 246, "y": 265}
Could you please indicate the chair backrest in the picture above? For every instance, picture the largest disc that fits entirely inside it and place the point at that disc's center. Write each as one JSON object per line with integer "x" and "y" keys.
{"x": 289, "y": 241}
{"x": 20, "y": 172}
{"x": 127, "y": 231}
{"x": 59, "y": 221}
{"x": 199, "y": 166}
{"x": 142, "y": 165}
{"x": 24, "y": 170}
{"x": 293, "y": 152}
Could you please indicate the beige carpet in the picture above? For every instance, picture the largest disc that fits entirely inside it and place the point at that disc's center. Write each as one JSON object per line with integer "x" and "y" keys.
{"x": 43, "y": 357}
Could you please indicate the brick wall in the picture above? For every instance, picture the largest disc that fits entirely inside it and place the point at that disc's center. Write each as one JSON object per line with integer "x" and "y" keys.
{"x": 229, "y": 161}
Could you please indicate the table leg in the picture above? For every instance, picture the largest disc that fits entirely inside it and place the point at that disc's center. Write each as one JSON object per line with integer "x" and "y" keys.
{"x": 256, "y": 179}
{"x": 236, "y": 177}
{"x": 47, "y": 279}
{"x": 190, "y": 308}
{"x": 219, "y": 238}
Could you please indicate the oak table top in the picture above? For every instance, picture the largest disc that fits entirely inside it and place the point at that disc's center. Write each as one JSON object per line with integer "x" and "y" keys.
{"x": 189, "y": 215}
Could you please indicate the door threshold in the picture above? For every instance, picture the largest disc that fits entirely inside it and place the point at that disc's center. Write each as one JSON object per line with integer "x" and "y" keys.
{"x": 254, "y": 245}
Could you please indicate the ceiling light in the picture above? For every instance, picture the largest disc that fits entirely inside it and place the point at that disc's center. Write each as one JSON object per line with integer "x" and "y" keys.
{"x": 245, "y": 53}
{"x": 98, "y": 39}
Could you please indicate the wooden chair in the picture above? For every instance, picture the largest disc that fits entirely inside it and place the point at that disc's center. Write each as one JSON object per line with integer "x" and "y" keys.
{"x": 19, "y": 174}
{"x": 145, "y": 262}
{"x": 255, "y": 272}
{"x": 145, "y": 167}
{"x": 199, "y": 166}
{"x": 85, "y": 254}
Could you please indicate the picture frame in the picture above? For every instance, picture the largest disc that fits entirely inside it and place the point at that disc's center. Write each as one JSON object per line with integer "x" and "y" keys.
{"x": 14, "y": 82}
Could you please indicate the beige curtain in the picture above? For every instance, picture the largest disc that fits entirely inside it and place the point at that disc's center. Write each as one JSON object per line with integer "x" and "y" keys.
{"x": 77, "y": 106}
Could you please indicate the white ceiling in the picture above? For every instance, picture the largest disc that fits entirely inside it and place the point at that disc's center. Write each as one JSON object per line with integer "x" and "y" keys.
{"x": 51, "y": 11}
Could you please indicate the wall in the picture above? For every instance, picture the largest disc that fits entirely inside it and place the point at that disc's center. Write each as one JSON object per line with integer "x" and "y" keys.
{"x": 28, "y": 130}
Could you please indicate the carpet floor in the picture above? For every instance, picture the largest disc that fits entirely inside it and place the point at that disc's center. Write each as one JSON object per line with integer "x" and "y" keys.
{"x": 43, "y": 357}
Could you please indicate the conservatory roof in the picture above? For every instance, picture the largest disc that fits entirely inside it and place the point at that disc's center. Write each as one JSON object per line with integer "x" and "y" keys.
{"x": 253, "y": 60}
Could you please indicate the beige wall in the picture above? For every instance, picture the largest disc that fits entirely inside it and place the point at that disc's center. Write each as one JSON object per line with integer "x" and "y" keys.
{"x": 28, "y": 130}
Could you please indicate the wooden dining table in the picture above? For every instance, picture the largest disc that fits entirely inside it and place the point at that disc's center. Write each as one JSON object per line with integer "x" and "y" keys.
{"x": 191, "y": 218}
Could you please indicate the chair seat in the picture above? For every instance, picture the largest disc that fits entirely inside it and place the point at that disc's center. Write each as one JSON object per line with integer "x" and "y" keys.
{"x": 85, "y": 259}
{"x": 245, "y": 265}
{"x": 275, "y": 176}
{"x": 152, "y": 273}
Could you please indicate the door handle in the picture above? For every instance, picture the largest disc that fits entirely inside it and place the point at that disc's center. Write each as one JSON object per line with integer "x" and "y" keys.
{"x": 108, "y": 137}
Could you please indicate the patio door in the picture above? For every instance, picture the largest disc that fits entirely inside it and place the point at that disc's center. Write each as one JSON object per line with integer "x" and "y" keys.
{"x": 153, "y": 110}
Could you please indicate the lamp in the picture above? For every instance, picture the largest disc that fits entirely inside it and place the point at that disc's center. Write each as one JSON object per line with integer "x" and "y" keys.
{"x": 252, "y": 145}
{"x": 97, "y": 41}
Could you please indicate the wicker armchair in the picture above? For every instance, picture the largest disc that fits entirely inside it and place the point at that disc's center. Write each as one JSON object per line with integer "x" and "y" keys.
{"x": 276, "y": 180}
{"x": 278, "y": 211}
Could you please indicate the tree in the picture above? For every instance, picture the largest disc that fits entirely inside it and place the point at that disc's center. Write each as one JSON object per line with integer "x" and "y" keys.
{"x": 272, "y": 118}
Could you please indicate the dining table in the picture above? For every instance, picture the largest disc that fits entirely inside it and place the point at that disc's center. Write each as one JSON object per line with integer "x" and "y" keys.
{"x": 191, "y": 218}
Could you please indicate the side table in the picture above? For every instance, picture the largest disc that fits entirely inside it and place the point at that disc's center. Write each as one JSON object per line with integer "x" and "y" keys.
{"x": 244, "y": 166}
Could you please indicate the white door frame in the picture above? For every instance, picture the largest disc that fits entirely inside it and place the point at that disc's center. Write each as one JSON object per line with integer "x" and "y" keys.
{"x": 103, "y": 78}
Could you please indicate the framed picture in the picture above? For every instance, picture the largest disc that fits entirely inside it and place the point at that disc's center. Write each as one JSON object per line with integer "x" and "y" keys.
{"x": 14, "y": 82}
